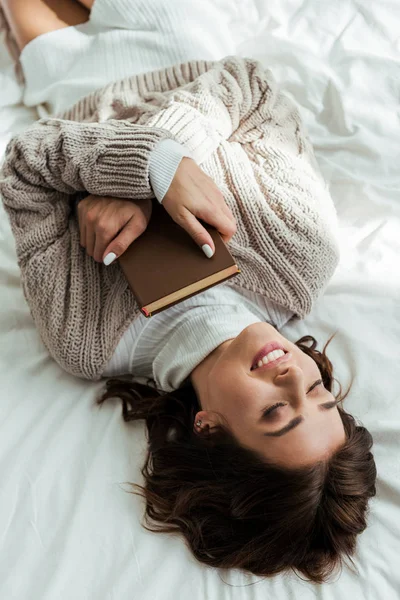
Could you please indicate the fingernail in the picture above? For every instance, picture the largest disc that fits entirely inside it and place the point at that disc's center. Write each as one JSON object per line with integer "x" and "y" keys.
{"x": 109, "y": 258}
{"x": 207, "y": 250}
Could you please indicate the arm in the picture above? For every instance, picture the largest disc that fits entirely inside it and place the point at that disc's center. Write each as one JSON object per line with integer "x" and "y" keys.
{"x": 236, "y": 100}
{"x": 164, "y": 161}
{"x": 67, "y": 292}
{"x": 235, "y": 118}
{"x": 54, "y": 159}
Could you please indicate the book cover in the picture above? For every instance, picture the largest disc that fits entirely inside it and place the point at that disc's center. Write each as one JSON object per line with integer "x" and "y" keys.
{"x": 165, "y": 266}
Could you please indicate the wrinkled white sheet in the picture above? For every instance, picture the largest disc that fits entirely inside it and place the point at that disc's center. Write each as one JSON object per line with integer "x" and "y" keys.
{"x": 68, "y": 527}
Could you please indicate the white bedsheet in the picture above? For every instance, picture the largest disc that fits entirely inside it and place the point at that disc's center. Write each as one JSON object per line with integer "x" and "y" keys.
{"x": 68, "y": 527}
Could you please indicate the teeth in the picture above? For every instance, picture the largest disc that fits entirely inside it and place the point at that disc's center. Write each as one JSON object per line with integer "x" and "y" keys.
{"x": 269, "y": 357}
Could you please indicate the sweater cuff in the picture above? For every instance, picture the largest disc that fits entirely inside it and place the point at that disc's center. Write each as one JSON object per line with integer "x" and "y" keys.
{"x": 119, "y": 166}
{"x": 163, "y": 164}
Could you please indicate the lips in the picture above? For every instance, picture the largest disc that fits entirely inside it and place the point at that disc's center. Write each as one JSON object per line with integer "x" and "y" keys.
{"x": 266, "y": 350}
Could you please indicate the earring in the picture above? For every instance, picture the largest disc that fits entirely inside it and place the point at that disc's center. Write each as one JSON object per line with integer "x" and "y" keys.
{"x": 198, "y": 423}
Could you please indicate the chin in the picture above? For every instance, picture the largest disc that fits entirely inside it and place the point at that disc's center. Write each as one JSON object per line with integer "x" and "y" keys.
{"x": 263, "y": 331}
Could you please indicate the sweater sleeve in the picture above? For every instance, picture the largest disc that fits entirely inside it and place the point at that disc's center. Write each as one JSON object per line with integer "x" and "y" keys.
{"x": 236, "y": 101}
{"x": 54, "y": 159}
{"x": 164, "y": 161}
{"x": 109, "y": 158}
{"x": 70, "y": 296}
{"x": 249, "y": 136}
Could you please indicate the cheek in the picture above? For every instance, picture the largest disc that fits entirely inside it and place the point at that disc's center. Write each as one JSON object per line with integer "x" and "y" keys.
{"x": 307, "y": 364}
{"x": 232, "y": 390}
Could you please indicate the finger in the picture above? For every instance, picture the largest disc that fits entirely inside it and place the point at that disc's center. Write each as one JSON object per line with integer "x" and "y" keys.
{"x": 132, "y": 230}
{"x": 90, "y": 240}
{"x": 217, "y": 195}
{"x": 222, "y": 223}
{"x": 227, "y": 211}
{"x": 196, "y": 231}
{"x": 82, "y": 229}
{"x": 102, "y": 240}
{"x": 213, "y": 192}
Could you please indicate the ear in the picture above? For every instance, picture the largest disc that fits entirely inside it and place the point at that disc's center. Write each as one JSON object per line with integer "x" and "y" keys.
{"x": 208, "y": 420}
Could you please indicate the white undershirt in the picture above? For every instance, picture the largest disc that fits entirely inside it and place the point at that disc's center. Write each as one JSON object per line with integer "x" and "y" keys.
{"x": 168, "y": 345}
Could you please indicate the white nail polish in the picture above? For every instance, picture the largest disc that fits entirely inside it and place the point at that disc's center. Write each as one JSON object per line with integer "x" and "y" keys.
{"x": 109, "y": 258}
{"x": 207, "y": 250}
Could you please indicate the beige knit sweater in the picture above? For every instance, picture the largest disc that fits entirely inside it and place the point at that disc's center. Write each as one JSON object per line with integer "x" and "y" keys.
{"x": 244, "y": 133}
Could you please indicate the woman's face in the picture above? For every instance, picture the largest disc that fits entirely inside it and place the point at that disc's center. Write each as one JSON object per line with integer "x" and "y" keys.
{"x": 272, "y": 410}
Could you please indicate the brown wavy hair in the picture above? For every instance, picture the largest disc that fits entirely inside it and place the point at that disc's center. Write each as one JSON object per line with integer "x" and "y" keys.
{"x": 235, "y": 509}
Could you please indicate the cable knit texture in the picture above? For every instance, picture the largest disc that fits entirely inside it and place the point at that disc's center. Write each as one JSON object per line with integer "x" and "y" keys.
{"x": 246, "y": 135}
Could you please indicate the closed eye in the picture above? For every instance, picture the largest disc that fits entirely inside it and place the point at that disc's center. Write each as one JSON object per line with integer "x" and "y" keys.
{"x": 270, "y": 409}
{"x": 314, "y": 385}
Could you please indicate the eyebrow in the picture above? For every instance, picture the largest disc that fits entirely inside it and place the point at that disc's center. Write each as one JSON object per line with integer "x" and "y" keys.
{"x": 294, "y": 422}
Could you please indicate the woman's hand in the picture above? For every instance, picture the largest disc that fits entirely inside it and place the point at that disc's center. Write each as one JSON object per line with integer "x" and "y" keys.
{"x": 193, "y": 195}
{"x": 109, "y": 225}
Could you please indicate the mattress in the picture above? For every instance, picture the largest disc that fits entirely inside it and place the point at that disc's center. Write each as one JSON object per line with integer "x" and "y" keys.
{"x": 69, "y": 528}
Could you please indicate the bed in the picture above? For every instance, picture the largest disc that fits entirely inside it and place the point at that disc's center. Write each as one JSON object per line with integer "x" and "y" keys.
{"x": 69, "y": 528}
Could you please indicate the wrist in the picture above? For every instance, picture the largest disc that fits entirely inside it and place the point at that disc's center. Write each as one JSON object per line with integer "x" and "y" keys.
{"x": 165, "y": 159}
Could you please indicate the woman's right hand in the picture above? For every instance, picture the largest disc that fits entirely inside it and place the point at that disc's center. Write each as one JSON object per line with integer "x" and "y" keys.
{"x": 108, "y": 226}
{"x": 193, "y": 195}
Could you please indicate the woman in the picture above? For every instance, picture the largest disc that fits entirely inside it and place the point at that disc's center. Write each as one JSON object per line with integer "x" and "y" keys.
{"x": 251, "y": 457}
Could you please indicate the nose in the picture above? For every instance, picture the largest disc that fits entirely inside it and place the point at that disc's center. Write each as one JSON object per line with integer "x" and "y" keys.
{"x": 291, "y": 379}
{"x": 288, "y": 374}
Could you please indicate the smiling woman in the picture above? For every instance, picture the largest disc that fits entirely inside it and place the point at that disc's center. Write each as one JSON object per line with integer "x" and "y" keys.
{"x": 284, "y": 399}
{"x": 264, "y": 493}
{"x": 251, "y": 457}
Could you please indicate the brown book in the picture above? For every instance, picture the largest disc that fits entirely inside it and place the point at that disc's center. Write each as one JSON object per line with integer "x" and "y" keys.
{"x": 165, "y": 266}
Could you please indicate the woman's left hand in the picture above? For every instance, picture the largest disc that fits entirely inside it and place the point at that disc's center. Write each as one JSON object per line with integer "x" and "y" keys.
{"x": 109, "y": 225}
